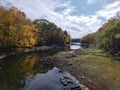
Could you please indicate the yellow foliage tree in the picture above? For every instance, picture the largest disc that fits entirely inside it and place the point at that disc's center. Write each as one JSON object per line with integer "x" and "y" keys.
{"x": 15, "y": 29}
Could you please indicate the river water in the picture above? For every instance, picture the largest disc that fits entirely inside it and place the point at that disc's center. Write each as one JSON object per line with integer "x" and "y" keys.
{"x": 74, "y": 46}
{"x": 27, "y": 72}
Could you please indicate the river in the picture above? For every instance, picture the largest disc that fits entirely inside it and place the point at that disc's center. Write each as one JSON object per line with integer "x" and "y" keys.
{"x": 74, "y": 46}
{"x": 27, "y": 72}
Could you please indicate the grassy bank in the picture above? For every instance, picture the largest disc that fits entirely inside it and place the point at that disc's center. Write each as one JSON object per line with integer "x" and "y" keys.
{"x": 104, "y": 68}
{"x": 91, "y": 67}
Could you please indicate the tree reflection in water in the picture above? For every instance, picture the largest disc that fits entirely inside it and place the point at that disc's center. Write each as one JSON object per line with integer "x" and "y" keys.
{"x": 15, "y": 69}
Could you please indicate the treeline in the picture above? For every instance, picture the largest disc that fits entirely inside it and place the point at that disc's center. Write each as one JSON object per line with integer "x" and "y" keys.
{"x": 75, "y": 40}
{"x": 18, "y": 31}
{"x": 88, "y": 39}
{"x": 107, "y": 37}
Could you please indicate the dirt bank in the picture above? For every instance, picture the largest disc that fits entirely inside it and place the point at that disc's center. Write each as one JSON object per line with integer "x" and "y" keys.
{"x": 7, "y": 52}
{"x": 86, "y": 73}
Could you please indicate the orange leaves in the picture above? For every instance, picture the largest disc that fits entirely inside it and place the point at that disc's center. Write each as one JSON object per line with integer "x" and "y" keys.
{"x": 15, "y": 30}
{"x": 18, "y": 31}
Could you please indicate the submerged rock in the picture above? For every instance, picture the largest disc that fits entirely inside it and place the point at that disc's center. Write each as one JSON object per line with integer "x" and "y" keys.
{"x": 60, "y": 71}
{"x": 76, "y": 88}
{"x": 82, "y": 77}
{"x": 65, "y": 80}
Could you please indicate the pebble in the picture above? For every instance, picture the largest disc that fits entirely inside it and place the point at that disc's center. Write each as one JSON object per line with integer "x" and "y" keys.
{"x": 82, "y": 77}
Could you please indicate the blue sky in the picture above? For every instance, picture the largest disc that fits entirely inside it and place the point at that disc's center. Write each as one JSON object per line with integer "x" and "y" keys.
{"x": 78, "y": 17}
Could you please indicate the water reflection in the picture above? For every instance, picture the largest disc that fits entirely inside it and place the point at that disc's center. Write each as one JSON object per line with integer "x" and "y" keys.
{"x": 27, "y": 72}
{"x": 44, "y": 81}
{"x": 49, "y": 81}
{"x": 75, "y": 45}
{"x": 15, "y": 69}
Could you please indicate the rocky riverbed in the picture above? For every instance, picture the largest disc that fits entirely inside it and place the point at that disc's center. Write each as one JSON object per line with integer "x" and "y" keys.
{"x": 92, "y": 68}
{"x": 72, "y": 62}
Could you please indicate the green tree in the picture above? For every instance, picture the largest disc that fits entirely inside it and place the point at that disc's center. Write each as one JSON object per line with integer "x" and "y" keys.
{"x": 50, "y": 34}
{"x": 108, "y": 37}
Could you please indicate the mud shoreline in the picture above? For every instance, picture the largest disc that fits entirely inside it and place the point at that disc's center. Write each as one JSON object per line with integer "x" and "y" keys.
{"x": 8, "y": 52}
{"x": 84, "y": 69}
{"x": 65, "y": 61}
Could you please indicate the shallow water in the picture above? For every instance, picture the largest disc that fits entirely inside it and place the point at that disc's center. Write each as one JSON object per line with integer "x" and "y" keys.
{"x": 74, "y": 47}
{"x": 27, "y": 72}
{"x": 48, "y": 81}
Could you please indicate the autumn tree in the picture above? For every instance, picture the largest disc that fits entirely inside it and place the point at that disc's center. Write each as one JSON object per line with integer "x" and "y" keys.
{"x": 15, "y": 29}
{"x": 50, "y": 34}
{"x": 18, "y": 31}
{"x": 88, "y": 39}
{"x": 108, "y": 39}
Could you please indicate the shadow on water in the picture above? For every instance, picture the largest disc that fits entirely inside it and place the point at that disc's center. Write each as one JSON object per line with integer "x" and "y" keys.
{"x": 27, "y": 72}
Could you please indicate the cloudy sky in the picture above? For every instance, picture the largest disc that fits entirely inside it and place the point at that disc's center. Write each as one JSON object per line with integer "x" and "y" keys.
{"x": 78, "y": 17}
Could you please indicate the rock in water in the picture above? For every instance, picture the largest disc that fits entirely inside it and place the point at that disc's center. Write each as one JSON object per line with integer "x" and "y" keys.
{"x": 76, "y": 88}
{"x": 82, "y": 77}
{"x": 65, "y": 80}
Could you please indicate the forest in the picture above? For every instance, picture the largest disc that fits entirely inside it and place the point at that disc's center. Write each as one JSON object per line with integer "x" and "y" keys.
{"x": 107, "y": 37}
{"x": 16, "y": 30}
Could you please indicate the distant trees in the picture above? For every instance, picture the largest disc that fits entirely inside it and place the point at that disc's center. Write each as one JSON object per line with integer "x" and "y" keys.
{"x": 50, "y": 33}
{"x": 18, "y": 31}
{"x": 107, "y": 37}
{"x": 75, "y": 40}
{"x": 88, "y": 39}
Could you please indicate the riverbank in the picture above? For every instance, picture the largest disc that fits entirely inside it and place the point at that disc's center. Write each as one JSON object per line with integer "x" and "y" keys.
{"x": 8, "y": 52}
{"x": 92, "y": 68}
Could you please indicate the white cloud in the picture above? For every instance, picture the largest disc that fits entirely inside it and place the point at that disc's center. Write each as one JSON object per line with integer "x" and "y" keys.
{"x": 113, "y": 5}
{"x": 109, "y": 10}
{"x": 68, "y": 11}
{"x": 59, "y": 12}
{"x": 82, "y": 25}
{"x": 36, "y": 9}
